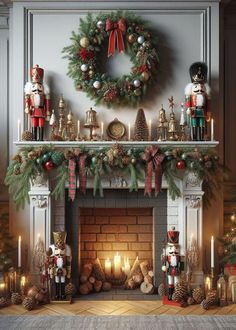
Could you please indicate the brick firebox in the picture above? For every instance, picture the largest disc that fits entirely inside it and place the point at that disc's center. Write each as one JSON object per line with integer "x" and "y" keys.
{"x": 124, "y": 222}
{"x": 105, "y": 231}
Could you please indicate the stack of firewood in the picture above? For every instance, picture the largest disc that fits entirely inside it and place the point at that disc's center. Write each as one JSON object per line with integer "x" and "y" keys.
{"x": 141, "y": 275}
{"x": 93, "y": 278}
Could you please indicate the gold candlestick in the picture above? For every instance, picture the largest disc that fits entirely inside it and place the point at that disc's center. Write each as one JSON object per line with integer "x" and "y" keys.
{"x": 62, "y": 123}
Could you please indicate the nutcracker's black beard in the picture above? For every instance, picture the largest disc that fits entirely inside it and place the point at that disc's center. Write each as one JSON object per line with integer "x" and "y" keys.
{"x": 173, "y": 253}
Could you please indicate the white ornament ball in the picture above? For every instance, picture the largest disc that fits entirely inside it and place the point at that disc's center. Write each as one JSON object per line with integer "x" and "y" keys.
{"x": 163, "y": 268}
{"x": 100, "y": 24}
{"x": 141, "y": 39}
{"x": 97, "y": 84}
{"x": 188, "y": 111}
{"x": 137, "y": 83}
{"x": 84, "y": 67}
{"x": 84, "y": 42}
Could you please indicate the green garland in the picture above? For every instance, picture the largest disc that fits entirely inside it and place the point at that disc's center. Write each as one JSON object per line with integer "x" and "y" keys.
{"x": 83, "y": 56}
{"x": 31, "y": 161}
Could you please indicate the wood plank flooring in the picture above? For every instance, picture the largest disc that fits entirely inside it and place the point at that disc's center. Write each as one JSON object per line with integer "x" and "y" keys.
{"x": 79, "y": 307}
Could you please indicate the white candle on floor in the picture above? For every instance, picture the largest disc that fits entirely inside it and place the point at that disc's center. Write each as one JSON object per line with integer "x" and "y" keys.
{"x": 212, "y": 129}
{"x": 19, "y": 251}
{"x": 212, "y": 251}
{"x": 108, "y": 267}
{"x": 117, "y": 265}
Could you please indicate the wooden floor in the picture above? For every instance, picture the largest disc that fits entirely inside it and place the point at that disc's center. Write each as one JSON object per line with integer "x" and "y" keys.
{"x": 79, "y": 307}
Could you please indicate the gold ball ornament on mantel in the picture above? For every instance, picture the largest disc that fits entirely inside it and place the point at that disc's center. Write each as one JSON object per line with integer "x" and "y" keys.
{"x": 84, "y": 42}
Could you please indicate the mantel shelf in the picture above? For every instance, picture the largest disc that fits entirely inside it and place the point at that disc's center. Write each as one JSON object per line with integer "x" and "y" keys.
{"x": 126, "y": 144}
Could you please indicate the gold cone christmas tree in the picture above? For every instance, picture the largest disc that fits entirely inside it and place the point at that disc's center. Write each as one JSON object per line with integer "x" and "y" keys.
{"x": 140, "y": 127}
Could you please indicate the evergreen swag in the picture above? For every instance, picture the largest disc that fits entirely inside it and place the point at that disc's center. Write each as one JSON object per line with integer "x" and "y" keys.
{"x": 131, "y": 35}
{"x": 31, "y": 161}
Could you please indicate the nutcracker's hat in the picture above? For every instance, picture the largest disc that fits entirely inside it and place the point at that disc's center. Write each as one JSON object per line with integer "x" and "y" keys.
{"x": 59, "y": 238}
{"x": 173, "y": 236}
{"x": 36, "y": 74}
{"x": 198, "y": 72}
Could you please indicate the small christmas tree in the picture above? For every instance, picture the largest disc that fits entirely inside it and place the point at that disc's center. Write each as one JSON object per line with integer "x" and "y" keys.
{"x": 6, "y": 246}
{"x": 228, "y": 253}
{"x": 140, "y": 127}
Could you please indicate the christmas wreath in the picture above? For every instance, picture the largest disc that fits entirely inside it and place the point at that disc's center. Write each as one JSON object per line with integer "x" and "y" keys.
{"x": 131, "y": 35}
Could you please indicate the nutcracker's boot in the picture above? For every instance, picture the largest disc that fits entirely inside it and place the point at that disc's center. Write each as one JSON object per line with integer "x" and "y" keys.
{"x": 170, "y": 292}
{"x": 57, "y": 296}
{"x": 63, "y": 295}
{"x": 194, "y": 133}
{"x": 201, "y": 133}
{"x": 34, "y": 133}
{"x": 40, "y": 133}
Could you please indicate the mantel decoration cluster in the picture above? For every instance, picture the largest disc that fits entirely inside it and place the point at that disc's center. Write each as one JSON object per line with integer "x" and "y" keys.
{"x": 136, "y": 164}
{"x": 131, "y": 35}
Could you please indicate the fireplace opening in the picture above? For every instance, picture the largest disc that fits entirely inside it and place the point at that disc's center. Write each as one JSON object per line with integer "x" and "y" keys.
{"x": 117, "y": 250}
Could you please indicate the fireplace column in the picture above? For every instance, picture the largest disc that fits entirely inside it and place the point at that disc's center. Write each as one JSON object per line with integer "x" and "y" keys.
{"x": 193, "y": 215}
{"x": 40, "y": 214}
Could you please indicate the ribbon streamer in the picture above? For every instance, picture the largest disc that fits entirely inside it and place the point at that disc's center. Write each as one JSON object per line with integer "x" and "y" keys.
{"x": 154, "y": 160}
{"x": 82, "y": 174}
{"x": 71, "y": 179}
{"x": 116, "y": 30}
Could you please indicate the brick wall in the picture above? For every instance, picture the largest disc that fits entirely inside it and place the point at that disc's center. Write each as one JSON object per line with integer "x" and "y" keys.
{"x": 106, "y": 231}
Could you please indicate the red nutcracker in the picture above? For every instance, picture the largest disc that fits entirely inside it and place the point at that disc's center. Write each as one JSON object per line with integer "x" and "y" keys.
{"x": 37, "y": 102}
{"x": 197, "y": 100}
{"x": 171, "y": 260}
{"x": 59, "y": 263}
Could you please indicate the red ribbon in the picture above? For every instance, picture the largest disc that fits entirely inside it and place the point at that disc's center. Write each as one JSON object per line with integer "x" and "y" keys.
{"x": 154, "y": 160}
{"x": 71, "y": 179}
{"x": 116, "y": 30}
{"x": 82, "y": 174}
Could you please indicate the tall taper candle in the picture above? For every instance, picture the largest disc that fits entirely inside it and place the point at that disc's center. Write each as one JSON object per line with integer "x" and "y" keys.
{"x": 212, "y": 252}
{"x": 78, "y": 127}
{"x": 150, "y": 129}
{"x": 212, "y": 129}
{"x": 18, "y": 130}
{"x": 102, "y": 130}
{"x": 19, "y": 251}
{"x": 129, "y": 131}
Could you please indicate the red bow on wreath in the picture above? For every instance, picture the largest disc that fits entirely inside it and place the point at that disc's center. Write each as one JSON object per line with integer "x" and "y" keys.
{"x": 116, "y": 30}
{"x": 154, "y": 160}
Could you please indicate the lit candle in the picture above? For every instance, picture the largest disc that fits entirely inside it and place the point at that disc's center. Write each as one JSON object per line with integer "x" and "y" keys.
{"x": 219, "y": 290}
{"x": 102, "y": 129}
{"x": 78, "y": 127}
{"x": 212, "y": 129}
{"x": 129, "y": 132}
{"x": 22, "y": 283}
{"x": 2, "y": 289}
{"x": 117, "y": 265}
{"x": 212, "y": 252}
{"x": 207, "y": 284}
{"x": 126, "y": 266}
{"x": 19, "y": 251}
{"x": 108, "y": 267}
{"x": 18, "y": 130}
{"x": 150, "y": 129}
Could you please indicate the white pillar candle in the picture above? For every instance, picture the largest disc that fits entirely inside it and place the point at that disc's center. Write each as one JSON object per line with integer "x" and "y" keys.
{"x": 150, "y": 129}
{"x": 19, "y": 251}
{"x": 126, "y": 266}
{"x": 129, "y": 131}
{"x": 18, "y": 130}
{"x": 212, "y": 252}
{"x": 212, "y": 129}
{"x": 102, "y": 130}
{"x": 108, "y": 267}
{"x": 78, "y": 127}
{"x": 117, "y": 265}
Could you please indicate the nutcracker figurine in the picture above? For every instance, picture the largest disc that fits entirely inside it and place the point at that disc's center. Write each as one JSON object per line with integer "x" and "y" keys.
{"x": 197, "y": 100}
{"x": 37, "y": 101}
{"x": 59, "y": 255}
{"x": 171, "y": 260}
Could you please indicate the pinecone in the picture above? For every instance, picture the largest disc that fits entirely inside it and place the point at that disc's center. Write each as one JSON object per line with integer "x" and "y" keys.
{"x": 211, "y": 297}
{"x": 70, "y": 289}
{"x": 28, "y": 303}
{"x": 23, "y": 166}
{"x": 181, "y": 291}
{"x": 26, "y": 136}
{"x": 190, "y": 301}
{"x": 198, "y": 294}
{"x": 204, "y": 304}
{"x": 16, "y": 298}
{"x": 140, "y": 127}
{"x": 162, "y": 290}
{"x": 4, "y": 302}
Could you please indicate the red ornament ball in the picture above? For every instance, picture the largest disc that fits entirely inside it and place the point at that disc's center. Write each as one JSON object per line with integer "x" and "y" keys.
{"x": 180, "y": 165}
{"x": 48, "y": 165}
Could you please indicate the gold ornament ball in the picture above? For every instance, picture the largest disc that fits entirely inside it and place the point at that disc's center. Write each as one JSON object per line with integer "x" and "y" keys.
{"x": 145, "y": 76}
{"x": 133, "y": 161}
{"x": 95, "y": 40}
{"x": 91, "y": 73}
{"x": 84, "y": 42}
{"x": 79, "y": 87}
{"x": 131, "y": 38}
{"x": 115, "y": 153}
